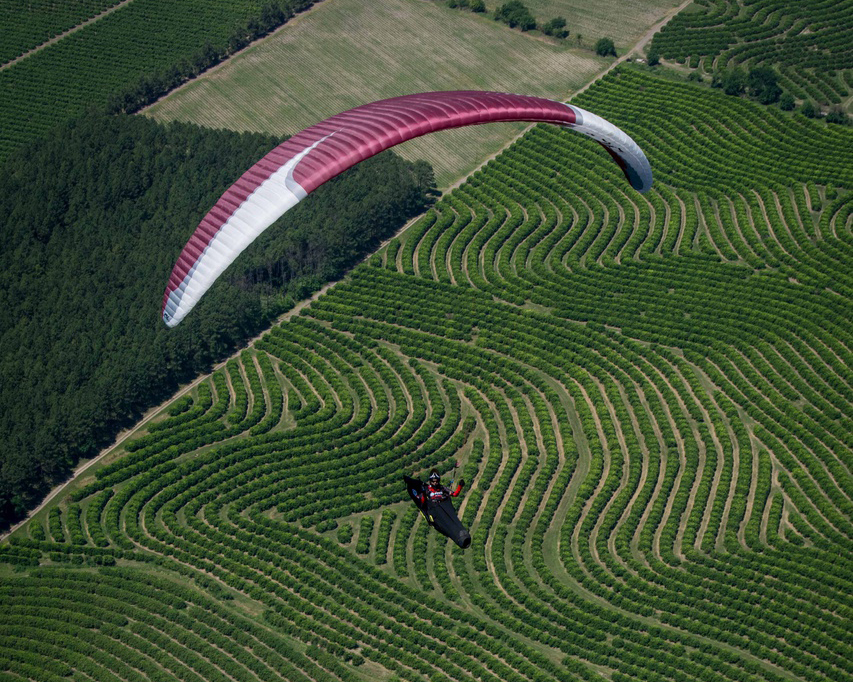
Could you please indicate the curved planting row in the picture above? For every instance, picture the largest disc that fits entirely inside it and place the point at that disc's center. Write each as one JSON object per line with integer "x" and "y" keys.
{"x": 649, "y": 398}
{"x": 808, "y": 40}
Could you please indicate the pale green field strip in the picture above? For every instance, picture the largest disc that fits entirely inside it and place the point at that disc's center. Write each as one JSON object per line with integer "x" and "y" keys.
{"x": 623, "y": 21}
{"x": 347, "y": 52}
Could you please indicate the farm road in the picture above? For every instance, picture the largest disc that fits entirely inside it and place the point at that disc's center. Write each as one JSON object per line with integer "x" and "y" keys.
{"x": 640, "y": 44}
{"x": 121, "y": 438}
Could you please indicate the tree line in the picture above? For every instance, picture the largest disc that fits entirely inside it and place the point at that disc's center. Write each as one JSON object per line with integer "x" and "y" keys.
{"x": 515, "y": 14}
{"x": 95, "y": 215}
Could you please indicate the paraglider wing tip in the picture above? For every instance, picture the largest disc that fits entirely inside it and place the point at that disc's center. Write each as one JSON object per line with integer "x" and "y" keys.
{"x": 169, "y": 320}
{"x": 625, "y": 151}
{"x": 642, "y": 184}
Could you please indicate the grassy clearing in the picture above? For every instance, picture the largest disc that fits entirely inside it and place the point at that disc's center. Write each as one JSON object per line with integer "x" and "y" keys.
{"x": 347, "y": 52}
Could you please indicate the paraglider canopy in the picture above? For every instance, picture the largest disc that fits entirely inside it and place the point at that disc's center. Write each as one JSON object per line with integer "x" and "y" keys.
{"x": 295, "y": 168}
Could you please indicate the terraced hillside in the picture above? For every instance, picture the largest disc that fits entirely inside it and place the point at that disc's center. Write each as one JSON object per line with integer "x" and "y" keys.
{"x": 650, "y": 398}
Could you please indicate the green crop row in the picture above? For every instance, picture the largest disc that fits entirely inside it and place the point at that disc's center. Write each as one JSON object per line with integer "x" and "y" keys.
{"x": 806, "y": 39}
{"x": 165, "y": 42}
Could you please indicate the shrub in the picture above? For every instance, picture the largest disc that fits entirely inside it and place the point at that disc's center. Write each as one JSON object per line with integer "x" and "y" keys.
{"x": 653, "y": 57}
{"x": 837, "y": 115}
{"x": 556, "y": 27}
{"x": 763, "y": 86}
{"x": 809, "y": 109}
{"x": 604, "y": 47}
{"x": 733, "y": 82}
{"x": 345, "y": 533}
{"x": 515, "y": 15}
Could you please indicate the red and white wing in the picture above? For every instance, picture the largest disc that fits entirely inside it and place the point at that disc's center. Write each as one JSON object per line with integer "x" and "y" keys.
{"x": 298, "y": 166}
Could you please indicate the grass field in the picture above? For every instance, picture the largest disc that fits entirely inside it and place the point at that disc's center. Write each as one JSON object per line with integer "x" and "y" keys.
{"x": 348, "y": 52}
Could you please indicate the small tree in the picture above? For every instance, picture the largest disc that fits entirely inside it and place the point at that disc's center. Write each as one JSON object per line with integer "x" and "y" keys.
{"x": 653, "y": 57}
{"x": 605, "y": 47}
{"x": 516, "y": 15}
{"x": 556, "y": 28}
{"x": 734, "y": 82}
{"x": 477, "y": 6}
{"x": 763, "y": 85}
{"x": 786, "y": 102}
{"x": 809, "y": 110}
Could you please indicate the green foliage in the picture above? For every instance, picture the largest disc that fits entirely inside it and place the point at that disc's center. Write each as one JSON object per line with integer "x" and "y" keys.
{"x": 732, "y": 81}
{"x": 345, "y": 533}
{"x": 653, "y": 56}
{"x": 126, "y": 60}
{"x": 804, "y": 42}
{"x": 838, "y": 116}
{"x": 604, "y": 47}
{"x": 384, "y": 536}
{"x": 515, "y": 14}
{"x": 365, "y": 531}
{"x": 762, "y": 84}
{"x": 650, "y": 393}
{"x": 809, "y": 109}
{"x": 55, "y": 525}
{"x": 556, "y": 28}
{"x": 27, "y": 25}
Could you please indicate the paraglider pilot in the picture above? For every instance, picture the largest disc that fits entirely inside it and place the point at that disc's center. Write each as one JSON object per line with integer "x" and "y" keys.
{"x": 433, "y": 499}
{"x": 435, "y": 492}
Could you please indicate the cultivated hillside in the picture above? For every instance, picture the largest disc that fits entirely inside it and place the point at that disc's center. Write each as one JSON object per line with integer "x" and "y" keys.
{"x": 649, "y": 397}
